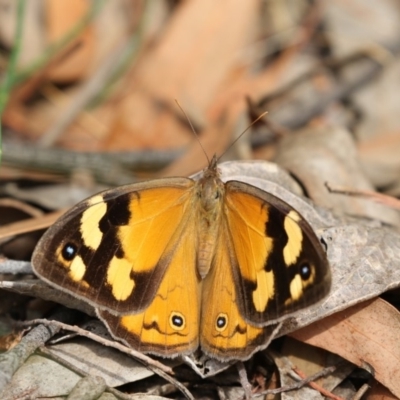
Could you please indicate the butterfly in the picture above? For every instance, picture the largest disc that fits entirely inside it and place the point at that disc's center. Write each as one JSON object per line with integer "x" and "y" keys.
{"x": 175, "y": 264}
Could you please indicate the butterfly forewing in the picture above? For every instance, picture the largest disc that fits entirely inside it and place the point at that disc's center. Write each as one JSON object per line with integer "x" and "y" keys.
{"x": 114, "y": 248}
{"x": 281, "y": 265}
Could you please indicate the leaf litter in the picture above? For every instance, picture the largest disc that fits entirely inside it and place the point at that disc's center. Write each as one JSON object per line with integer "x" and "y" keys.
{"x": 304, "y": 63}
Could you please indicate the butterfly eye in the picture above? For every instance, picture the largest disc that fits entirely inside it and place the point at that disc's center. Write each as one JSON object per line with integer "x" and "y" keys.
{"x": 69, "y": 251}
{"x": 177, "y": 321}
{"x": 222, "y": 322}
{"x": 305, "y": 271}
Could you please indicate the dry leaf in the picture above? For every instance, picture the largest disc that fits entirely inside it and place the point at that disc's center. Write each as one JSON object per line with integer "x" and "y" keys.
{"x": 61, "y": 17}
{"x": 366, "y": 334}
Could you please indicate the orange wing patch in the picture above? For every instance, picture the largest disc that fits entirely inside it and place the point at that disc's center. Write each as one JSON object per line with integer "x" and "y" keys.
{"x": 116, "y": 243}
{"x": 224, "y": 334}
{"x": 170, "y": 324}
{"x": 153, "y": 228}
{"x": 247, "y": 216}
{"x": 155, "y": 214}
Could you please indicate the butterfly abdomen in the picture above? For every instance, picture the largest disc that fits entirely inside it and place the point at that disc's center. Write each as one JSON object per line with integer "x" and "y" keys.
{"x": 206, "y": 248}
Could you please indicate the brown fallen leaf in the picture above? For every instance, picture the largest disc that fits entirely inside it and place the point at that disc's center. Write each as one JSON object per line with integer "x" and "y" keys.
{"x": 366, "y": 334}
{"x": 379, "y": 392}
{"x": 380, "y": 159}
{"x": 61, "y": 17}
{"x": 193, "y": 58}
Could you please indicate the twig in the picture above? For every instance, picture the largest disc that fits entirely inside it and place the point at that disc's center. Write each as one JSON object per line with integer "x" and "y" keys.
{"x": 78, "y": 371}
{"x": 298, "y": 385}
{"x": 14, "y": 358}
{"x": 38, "y": 288}
{"x": 319, "y": 103}
{"x": 157, "y": 367}
{"x": 378, "y": 197}
{"x": 112, "y": 168}
{"x": 29, "y": 225}
{"x": 22, "y": 206}
{"x": 317, "y": 387}
{"x": 246, "y": 385}
{"x": 360, "y": 392}
{"x": 14, "y": 267}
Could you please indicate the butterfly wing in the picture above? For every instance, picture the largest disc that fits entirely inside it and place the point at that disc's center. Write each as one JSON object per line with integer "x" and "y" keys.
{"x": 170, "y": 324}
{"x": 114, "y": 248}
{"x": 224, "y": 333}
{"x": 280, "y": 265}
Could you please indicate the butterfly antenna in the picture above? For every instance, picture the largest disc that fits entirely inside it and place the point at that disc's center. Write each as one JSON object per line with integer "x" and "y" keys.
{"x": 262, "y": 115}
{"x": 193, "y": 130}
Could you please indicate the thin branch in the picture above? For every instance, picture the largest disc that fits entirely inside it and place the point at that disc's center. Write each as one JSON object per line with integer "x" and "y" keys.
{"x": 298, "y": 385}
{"x": 156, "y": 366}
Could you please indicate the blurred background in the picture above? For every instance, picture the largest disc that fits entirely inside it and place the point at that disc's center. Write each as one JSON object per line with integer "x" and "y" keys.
{"x": 103, "y": 76}
{"x": 89, "y": 92}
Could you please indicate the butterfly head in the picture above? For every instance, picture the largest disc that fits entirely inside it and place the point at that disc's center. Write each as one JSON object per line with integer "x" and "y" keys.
{"x": 211, "y": 189}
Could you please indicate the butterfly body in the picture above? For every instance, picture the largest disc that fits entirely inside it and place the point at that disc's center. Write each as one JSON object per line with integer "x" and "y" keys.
{"x": 210, "y": 191}
{"x": 175, "y": 264}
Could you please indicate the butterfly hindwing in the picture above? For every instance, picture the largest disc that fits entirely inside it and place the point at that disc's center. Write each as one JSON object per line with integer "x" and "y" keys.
{"x": 280, "y": 264}
{"x": 114, "y": 248}
{"x": 170, "y": 323}
{"x": 224, "y": 333}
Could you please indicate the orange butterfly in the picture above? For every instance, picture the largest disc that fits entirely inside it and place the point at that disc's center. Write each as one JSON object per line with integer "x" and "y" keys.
{"x": 175, "y": 264}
